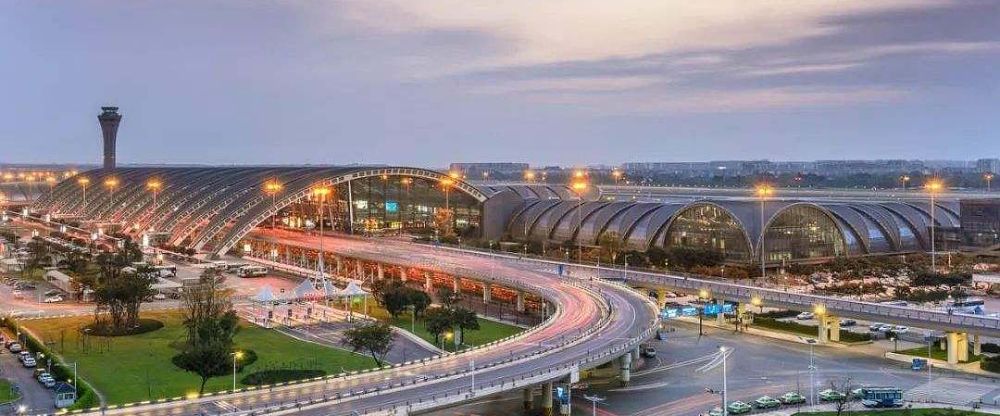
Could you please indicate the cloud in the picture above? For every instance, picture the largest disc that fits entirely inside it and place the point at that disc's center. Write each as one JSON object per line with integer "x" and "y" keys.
{"x": 568, "y": 85}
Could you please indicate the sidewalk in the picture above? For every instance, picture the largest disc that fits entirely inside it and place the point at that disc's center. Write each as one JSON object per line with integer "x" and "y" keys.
{"x": 855, "y": 406}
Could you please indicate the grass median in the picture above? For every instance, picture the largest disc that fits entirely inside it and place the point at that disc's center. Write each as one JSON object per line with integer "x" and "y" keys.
{"x": 489, "y": 330}
{"x": 937, "y": 353}
{"x": 6, "y": 395}
{"x": 138, "y": 367}
{"x": 898, "y": 412}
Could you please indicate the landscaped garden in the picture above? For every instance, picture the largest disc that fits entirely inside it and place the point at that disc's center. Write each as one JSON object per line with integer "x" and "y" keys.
{"x": 937, "y": 353}
{"x": 6, "y": 395}
{"x": 138, "y": 367}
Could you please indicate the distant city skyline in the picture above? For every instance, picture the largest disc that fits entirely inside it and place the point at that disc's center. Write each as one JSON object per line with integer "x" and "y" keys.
{"x": 568, "y": 83}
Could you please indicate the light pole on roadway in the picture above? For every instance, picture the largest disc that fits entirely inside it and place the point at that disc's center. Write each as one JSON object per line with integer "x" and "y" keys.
{"x": 594, "y": 400}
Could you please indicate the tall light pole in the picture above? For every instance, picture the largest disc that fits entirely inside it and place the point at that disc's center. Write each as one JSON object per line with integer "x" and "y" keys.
{"x": 594, "y": 400}
{"x": 579, "y": 186}
{"x": 988, "y": 177}
{"x": 725, "y": 354}
{"x": 111, "y": 183}
{"x": 154, "y": 186}
{"x": 763, "y": 191}
{"x": 933, "y": 187}
{"x": 617, "y": 175}
{"x": 272, "y": 187}
{"x": 84, "y": 181}
{"x": 238, "y": 355}
{"x": 529, "y": 176}
{"x": 321, "y": 193}
{"x": 51, "y": 181}
{"x": 904, "y": 179}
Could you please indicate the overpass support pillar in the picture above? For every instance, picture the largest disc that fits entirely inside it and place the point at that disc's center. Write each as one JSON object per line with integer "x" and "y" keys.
{"x": 720, "y": 318}
{"x": 487, "y": 292}
{"x": 428, "y": 283}
{"x": 565, "y": 408}
{"x": 402, "y": 273}
{"x": 977, "y": 347}
{"x": 626, "y": 368}
{"x": 456, "y": 284}
{"x": 359, "y": 272}
{"x": 829, "y": 329}
{"x": 520, "y": 303}
{"x": 661, "y": 297}
{"x": 547, "y": 399}
{"x": 958, "y": 347}
{"x": 528, "y": 400}
{"x": 340, "y": 265}
{"x": 380, "y": 270}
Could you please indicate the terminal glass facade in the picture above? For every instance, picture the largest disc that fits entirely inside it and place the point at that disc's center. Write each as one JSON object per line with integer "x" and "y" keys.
{"x": 802, "y": 232}
{"x": 709, "y": 227}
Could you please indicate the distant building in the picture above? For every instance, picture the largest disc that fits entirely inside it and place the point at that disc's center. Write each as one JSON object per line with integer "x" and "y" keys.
{"x": 489, "y": 169}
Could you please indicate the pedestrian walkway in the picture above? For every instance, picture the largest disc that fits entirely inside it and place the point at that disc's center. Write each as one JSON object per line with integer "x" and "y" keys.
{"x": 856, "y": 406}
{"x": 953, "y": 391}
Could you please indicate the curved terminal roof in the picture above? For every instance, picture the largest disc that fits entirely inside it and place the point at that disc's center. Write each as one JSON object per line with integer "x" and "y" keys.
{"x": 209, "y": 208}
{"x": 864, "y": 227}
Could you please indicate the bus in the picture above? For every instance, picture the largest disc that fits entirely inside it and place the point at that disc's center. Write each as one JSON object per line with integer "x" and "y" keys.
{"x": 166, "y": 270}
{"x": 881, "y": 397}
{"x": 968, "y": 306}
{"x": 251, "y": 271}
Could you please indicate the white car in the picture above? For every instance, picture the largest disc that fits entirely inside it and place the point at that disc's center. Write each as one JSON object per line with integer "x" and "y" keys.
{"x": 804, "y": 316}
{"x": 30, "y": 362}
{"x": 53, "y": 299}
{"x": 159, "y": 296}
{"x": 900, "y": 329}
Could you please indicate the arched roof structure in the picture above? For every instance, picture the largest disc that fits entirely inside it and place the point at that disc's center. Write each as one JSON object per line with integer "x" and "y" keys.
{"x": 211, "y": 207}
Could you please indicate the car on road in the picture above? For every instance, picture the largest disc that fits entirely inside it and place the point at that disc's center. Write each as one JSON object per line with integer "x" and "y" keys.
{"x": 53, "y": 299}
{"x": 792, "y": 398}
{"x": 848, "y": 322}
{"x": 766, "y": 402}
{"x": 17, "y": 294}
{"x": 23, "y": 355}
{"x": 875, "y": 326}
{"x": 648, "y": 351}
{"x": 831, "y": 395}
{"x": 900, "y": 329}
{"x": 46, "y": 380}
{"x": 716, "y": 411}
{"x": 738, "y": 407}
{"x": 29, "y": 362}
{"x": 805, "y": 316}
{"x": 159, "y": 296}
{"x": 13, "y": 346}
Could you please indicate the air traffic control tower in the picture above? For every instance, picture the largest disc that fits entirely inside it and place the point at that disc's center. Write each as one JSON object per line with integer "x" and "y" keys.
{"x": 109, "y": 119}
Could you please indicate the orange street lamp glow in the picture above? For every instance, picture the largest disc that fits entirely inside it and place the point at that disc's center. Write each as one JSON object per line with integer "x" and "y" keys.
{"x": 447, "y": 181}
{"x": 764, "y": 190}
{"x": 579, "y": 186}
{"x": 83, "y": 181}
{"x": 111, "y": 182}
{"x": 321, "y": 192}
{"x": 529, "y": 175}
{"x": 934, "y": 185}
{"x": 454, "y": 175}
{"x": 154, "y": 185}
{"x": 272, "y": 187}
{"x": 578, "y": 174}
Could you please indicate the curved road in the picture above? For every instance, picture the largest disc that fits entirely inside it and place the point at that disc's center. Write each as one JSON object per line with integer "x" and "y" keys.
{"x": 594, "y": 322}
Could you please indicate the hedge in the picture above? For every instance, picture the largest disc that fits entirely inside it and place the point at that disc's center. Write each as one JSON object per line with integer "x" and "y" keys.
{"x": 991, "y": 364}
{"x": 280, "y": 376}
{"x": 86, "y": 397}
{"x": 811, "y": 330}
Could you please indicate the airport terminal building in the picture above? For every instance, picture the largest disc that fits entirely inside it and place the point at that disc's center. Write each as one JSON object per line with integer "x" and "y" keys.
{"x": 211, "y": 209}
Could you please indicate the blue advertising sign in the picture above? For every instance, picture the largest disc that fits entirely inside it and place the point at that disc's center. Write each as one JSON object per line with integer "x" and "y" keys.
{"x": 391, "y": 206}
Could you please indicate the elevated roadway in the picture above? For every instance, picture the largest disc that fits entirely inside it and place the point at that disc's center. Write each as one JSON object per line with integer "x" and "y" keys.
{"x": 593, "y": 323}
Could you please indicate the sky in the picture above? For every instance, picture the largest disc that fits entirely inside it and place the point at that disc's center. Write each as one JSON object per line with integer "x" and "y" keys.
{"x": 570, "y": 82}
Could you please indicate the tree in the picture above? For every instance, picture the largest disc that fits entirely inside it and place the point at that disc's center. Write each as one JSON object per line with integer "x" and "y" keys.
{"x": 396, "y": 300}
{"x": 464, "y": 319}
{"x": 842, "y": 403}
{"x": 120, "y": 288}
{"x": 448, "y": 297}
{"x": 437, "y": 321}
{"x": 610, "y": 243}
{"x": 419, "y": 301}
{"x": 211, "y": 325}
{"x": 376, "y": 338}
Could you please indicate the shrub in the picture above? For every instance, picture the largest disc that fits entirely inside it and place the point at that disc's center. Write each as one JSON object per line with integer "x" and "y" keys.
{"x": 778, "y": 314}
{"x": 280, "y": 376}
{"x": 144, "y": 326}
{"x": 991, "y": 364}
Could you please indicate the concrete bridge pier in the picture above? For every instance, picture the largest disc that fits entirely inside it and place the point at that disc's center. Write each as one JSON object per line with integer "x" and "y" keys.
{"x": 661, "y": 297}
{"x": 958, "y": 347}
{"x": 720, "y": 318}
{"x": 566, "y": 408}
{"x": 487, "y": 292}
{"x": 359, "y": 272}
{"x": 829, "y": 328}
{"x": 520, "y": 303}
{"x": 626, "y": 368}
{"x": 380, "y": 271}
{"x": 402, "y": 274}
{"x": 977, "y": 347}
{"x": 547, "y": 399}
{"x": 428, "y": 283}
{"x": 456, "y": 284}
{"x": 528, "y": 400}
{"x": 340, "y": 265}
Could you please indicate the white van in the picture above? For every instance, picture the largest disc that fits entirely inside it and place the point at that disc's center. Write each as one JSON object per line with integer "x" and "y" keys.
{"x": 251, "y": 271}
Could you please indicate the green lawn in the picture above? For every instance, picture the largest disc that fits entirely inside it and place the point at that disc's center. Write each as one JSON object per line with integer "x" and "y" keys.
{"x": 936, "y": 353}
{"x": 138, "y": 367}
{"x": 898, "y": 412}
{"x": 5, "y": 393}
{"x": 489, "y": 331}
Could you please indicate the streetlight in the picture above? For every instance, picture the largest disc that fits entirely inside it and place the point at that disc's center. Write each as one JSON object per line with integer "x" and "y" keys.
{"x": 617, "y": 174}
{"x": 111, "y": 183}
{"x": 904, "y": 179}
{"x": 933, "y": 187}
{"x": 763, "y": 191}
{"x": 84, "y": 181}
{"x": 272, "y": 187}
{"x": 724, "y": 351}
{"x": 321, "y": 193}
{"x": 579, "y": 187}
{"x": 594, "y": 400}
{"x": 988, "y": 177}
{"x": 529, "y": 175}
{"x": 154, "y": 186}
{"x": 51, "y": 180}
{"x": 812, "y": 370}
{"x": 238, "y": 355}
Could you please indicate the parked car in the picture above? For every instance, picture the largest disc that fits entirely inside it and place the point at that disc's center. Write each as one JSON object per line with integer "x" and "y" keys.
{"x": 53, "y": 299}
{"x": 15, "y": 347}
{"x": 792, "y": 398}
{"x": 738, "y": 407}
{"x": 716, "y": 411}
{"x": 804, "y": 316}
{"x": 159, "y": 296}
{"x": 46, "y": 379}
{"x": 900, "y": 329}
{"x": 766, "y": 402}
{"x": 23, "y": 355}
{"x": 875, "y": 326}
{"x": 831, "y": 395}
{"x": 29, "y": 362}
{"x": 848, "y": 322}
